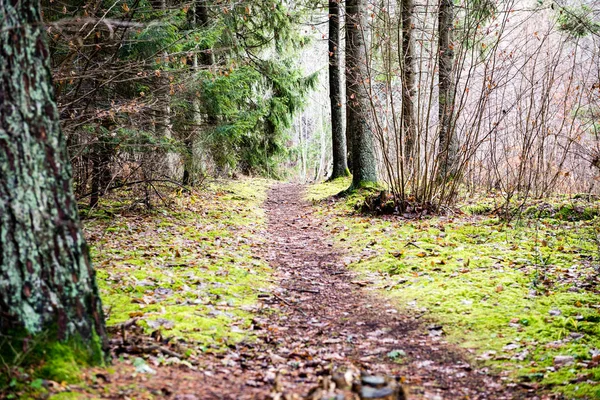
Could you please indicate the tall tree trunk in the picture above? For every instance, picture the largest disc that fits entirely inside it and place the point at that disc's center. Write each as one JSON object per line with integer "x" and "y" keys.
{"x": 408, "y": 81}
{"x": 163, "y": 126}
{"x": 200, "y": 18}
{"x": 364, "y": 167}
{"x": 349, "y": 140}
{"x": 447, "y": 144}
{"x": 338, "y": 137}
{"x": 46, "y": 277}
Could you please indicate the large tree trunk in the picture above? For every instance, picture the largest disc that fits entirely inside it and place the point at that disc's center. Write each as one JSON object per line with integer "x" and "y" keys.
{"x": 447, "y": 144}
{"x": 364, "y": 167}
{"x": 338, "y": 137}
{"x": 46, "y": 277}
{"x": 408, "y": 81}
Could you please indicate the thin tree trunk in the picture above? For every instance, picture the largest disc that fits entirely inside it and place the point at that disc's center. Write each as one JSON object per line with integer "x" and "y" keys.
{"x": 163, "y": 127}
{"x": 46, "y": 277}
{"x": 302, "y": 149}
{"x": 323, "y": 152}
{"x": 101, "y": 154}
{"x": 200, "y": 18}
{"x": 364, "y": 167}
{"x": 338, "y": 137}
{"x": 447, "y": 144}
{"x": 408, "y": 81}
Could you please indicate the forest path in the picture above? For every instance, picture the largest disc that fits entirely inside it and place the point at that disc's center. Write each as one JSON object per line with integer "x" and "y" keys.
{"x": 328, "y": 318}
{"x": 312, "y": 323}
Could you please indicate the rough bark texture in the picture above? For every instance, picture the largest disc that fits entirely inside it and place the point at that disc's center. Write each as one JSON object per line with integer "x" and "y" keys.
{"x": 364, "y": 168}
{"x": 46, "y": 278}
{"x": 448, "y": 149}
{"x": 338, "y": 137}
{"x": 408, "y": 80}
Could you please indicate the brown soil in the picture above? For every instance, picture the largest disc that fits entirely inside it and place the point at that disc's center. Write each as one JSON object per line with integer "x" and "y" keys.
{"x": 317, "y": 320}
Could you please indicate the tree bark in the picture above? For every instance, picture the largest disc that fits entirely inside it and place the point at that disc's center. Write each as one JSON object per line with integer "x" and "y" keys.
{"x": 200, "y": 18}
{"x": 163, "y": 126}
{"x": 338, "y": 137}
{"x": 46, "y": 277}
{"x": 408, "y": 81}
{"x": 447, "y": 143}
{"x": 364, "y": 167}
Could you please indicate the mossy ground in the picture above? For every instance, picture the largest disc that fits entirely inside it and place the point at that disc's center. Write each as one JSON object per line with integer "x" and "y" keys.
{"x": 191, "y": 270}
{"x": 29, "y": 363}
{"x": 515, "y": 295}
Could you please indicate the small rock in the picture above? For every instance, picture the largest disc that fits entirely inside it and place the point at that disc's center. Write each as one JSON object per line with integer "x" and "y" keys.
{"x": 368, "y": 392}
{"x": 435, "y": 330}
{"x": 373, "y": 380}
{"x": 563, "y": 361}
{"x": 555, "y": 312}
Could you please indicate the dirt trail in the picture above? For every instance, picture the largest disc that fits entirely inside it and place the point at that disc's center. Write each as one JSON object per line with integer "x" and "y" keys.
{"x": 333, "y": 319}
{"x": 315, "y": 318}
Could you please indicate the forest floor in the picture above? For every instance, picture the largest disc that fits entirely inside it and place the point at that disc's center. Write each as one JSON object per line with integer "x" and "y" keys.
{"x": 253, "y": 292}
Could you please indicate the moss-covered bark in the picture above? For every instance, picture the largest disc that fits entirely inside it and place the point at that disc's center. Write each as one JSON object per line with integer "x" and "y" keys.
{"x": 46, "y": 278}
{"x": 364, "y": 167}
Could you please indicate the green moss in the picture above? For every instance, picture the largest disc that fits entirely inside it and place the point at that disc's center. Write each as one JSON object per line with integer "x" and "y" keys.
{"x": 524, "y": 291}
{"x": 27, "y": 361}
{"x": 364, "y": 188}
{"x": 65, "y": 396}
{"x": 327, "y": 189}
{"x": 478, "y": 209}
{"x": 193, "y": 267}
{"x": 62, "y": 363}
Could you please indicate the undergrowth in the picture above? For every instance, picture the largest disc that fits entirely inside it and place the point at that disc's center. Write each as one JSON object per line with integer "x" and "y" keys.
{"x": 515, "y": 295}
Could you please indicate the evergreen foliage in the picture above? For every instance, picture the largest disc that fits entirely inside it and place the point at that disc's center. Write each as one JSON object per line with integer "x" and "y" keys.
{"x": 160, "y": 81}
{"x": 577, "y": 21}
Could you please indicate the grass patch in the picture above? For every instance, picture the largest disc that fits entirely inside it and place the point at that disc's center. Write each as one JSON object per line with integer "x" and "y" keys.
{"x": 518, "y": 295}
